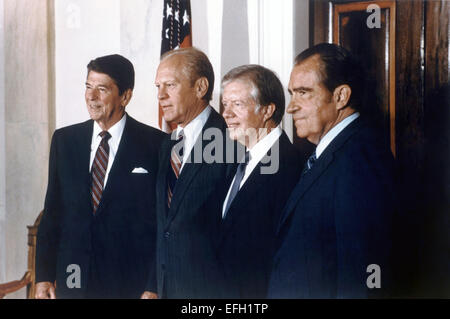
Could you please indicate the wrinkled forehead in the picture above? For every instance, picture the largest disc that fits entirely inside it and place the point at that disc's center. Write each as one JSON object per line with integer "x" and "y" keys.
{"x": 172, "y": 67}
{"x": 175, "y": 60}
{"x": 100, "y": 78}
{"x": 307, "y": 72}
{"x": 241, "y": 87}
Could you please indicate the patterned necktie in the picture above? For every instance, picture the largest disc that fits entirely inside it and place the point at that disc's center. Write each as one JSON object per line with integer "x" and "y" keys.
{"x": 98, "y": 170}
{"x": 309, "y": 163}
{"x": 176, "y": 160}
{"x": 240, "y": 172}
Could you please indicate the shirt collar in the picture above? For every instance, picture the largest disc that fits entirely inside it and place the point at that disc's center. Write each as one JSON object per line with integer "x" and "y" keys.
{"x": 115, "y": 131}
{"x": 194, "y": 127}
{"x": 260, "y": 149}
{"x": 331, "y": 135}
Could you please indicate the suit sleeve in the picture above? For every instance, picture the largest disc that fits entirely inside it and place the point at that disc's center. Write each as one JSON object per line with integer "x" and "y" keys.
{"x": 363, "y": 217}
{"x": 48, "y": 231}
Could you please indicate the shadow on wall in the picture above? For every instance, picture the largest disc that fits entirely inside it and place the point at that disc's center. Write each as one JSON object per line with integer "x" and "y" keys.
{"x": 423, "y": 227}
{"x": 436, "y": 193}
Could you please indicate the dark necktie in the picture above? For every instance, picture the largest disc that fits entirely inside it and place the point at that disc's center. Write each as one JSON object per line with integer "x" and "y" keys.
{"x": 176, "y": 160}
{"x": 240, "y": 172}
{"x": 98, "y": 170}
{"x": 309, "y": 163}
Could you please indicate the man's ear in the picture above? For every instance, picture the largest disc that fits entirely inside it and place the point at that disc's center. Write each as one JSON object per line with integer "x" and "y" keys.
{"x": 268, "y": 111}
{"x": 201, "y": 87}
{"x": 341, "y": 96}
{"x": 126, "y": 97}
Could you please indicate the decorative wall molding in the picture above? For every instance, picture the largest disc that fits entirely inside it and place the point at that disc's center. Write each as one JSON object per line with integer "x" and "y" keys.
{"x": 271, "y": 41}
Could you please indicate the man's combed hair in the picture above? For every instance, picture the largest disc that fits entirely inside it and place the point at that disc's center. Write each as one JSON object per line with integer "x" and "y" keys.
{"x": 267, "y": 88}
{"x": 196, "y": 65}
{"x": 338, "y": 67}
{"x": 117, "y": 67}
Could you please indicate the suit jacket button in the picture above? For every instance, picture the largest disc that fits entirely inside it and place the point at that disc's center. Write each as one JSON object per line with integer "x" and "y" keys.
{"x": 166, "y": 235}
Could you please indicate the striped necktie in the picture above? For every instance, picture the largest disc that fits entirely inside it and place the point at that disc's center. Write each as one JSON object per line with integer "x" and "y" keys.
{"x": 98, "y": 170}
{"x": 176, "y": 160}
{"x": 309, "y": 163}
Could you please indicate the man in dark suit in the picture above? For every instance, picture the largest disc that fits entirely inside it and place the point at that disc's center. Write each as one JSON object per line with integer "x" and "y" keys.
{"x": 335, "y": 231}
{"x": 253, "y": 106}
{"x": 97, "y": 238}
{"x": 190, "y": 183}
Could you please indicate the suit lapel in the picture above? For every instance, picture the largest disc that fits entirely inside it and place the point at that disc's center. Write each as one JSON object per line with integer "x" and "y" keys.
{"x": 83, "y": 153}
{"x": 317, "y": 170}
{"x": 304, "y": 184}
{"x": 190, "y": 170}
{"x": 250, "y": 189}
{"x": 255, "y": 185}
{"x": 163, "y": 170}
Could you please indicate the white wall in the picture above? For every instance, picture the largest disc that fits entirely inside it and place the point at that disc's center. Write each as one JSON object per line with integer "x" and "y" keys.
{"x": 27, "y": 105}
{"x": 141, "y": 22}
{"x": 207, "y": 36}
{"x": 2, "y": 151}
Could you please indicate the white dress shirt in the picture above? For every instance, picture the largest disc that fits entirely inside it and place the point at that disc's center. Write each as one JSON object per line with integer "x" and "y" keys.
{"x": 257, "y": 152}
{"x": 116, "y": 134}
{"x": 331, "y": 135}
{"x": 191, "y": 132}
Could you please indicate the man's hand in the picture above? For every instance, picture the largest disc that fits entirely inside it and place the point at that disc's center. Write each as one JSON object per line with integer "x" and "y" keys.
{"x": 149, "y": 295}
{"x": 45, "y": 290}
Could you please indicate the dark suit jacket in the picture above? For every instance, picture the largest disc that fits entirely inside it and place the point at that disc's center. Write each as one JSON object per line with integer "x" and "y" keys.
{"x": 248, "y": 230}
{"x": 338, "y": 221}
{"x": 187, "y": 265}
{"x": 115, "y": 248}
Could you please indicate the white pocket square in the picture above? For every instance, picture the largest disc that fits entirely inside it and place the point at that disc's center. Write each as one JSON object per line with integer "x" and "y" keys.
{"x": 139, "y": 170}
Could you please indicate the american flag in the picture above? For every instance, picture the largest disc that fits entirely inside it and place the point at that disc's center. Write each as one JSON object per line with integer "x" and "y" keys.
{"x": 176, "y": 33}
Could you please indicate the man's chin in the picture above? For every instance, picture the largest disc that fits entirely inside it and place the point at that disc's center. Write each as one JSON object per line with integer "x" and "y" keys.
{"x": 168, "y": 120}
{"x": 94, "y": 116}
{"x": 301, "y": 134}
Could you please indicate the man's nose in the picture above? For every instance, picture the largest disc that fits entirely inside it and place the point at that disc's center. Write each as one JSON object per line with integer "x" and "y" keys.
{"x": 227, "y": 112}
{"x": 162, "y": 93}
{"x": 292, "y": 107}
{"x": 92, "y": 94}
